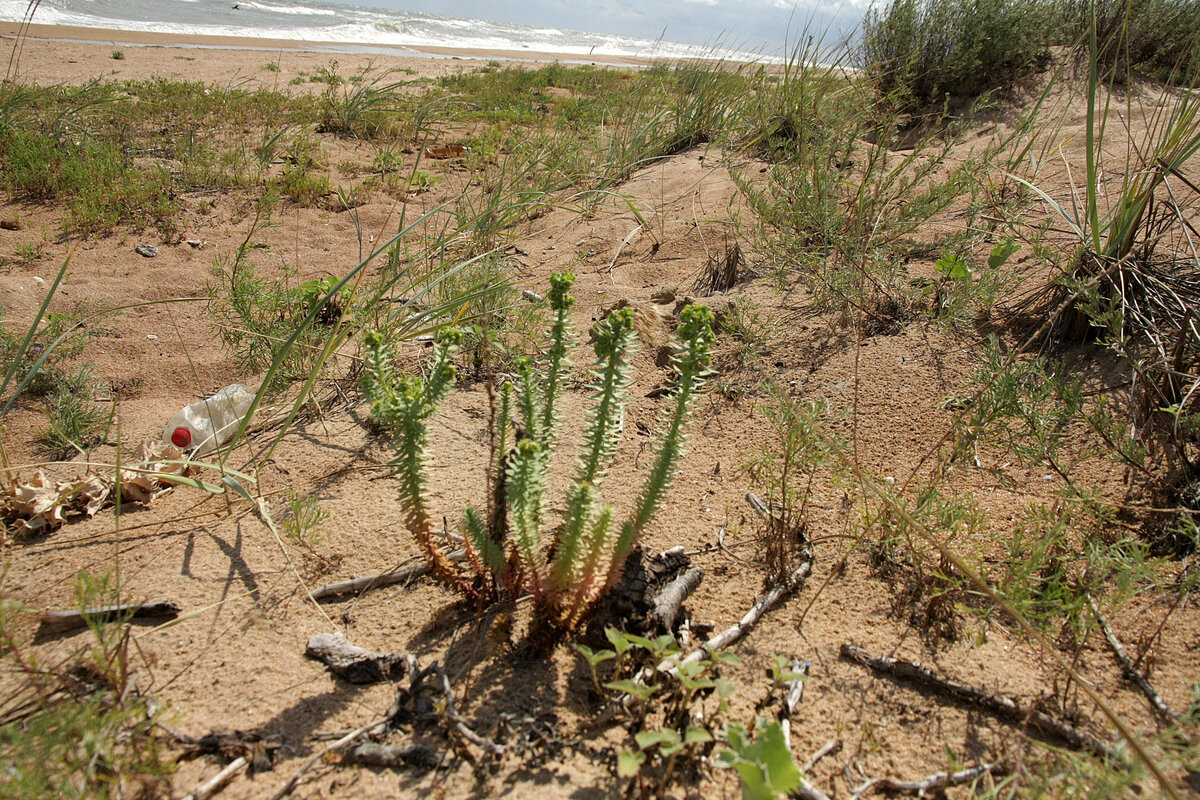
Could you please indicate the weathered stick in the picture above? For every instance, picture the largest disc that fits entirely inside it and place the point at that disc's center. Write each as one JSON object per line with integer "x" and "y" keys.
{"x": 356, "y": 664}
{"x": 1004, "y": 707}
{"x": 392, "y": 756}
{"x": 934, "y": 783}
{"x": 368, "y": 582}
{"x": 668, "y": 601}
{"x": 734, "y": 632}
{"x": 218, "y": 781}
{"x": 1130, "y": 671}
{"x": 59, "y": 621}
{"x": 792, "y": 699}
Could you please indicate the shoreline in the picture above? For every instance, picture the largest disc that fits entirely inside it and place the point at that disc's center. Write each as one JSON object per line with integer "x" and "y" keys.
{"x": 112, "y": 37}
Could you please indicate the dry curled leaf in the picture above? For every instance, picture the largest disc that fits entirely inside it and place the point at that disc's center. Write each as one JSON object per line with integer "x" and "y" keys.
{"x": 41, "y": 505}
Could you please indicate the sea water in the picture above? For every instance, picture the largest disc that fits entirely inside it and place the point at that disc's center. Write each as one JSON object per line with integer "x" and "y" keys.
{"x": 314, "y": 21}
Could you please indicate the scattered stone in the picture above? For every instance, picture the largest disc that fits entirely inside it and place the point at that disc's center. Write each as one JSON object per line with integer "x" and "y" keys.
{"x": 146, "y": 250}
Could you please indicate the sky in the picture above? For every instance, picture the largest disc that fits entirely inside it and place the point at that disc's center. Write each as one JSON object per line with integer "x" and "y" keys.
{"x": 766, "y": 26}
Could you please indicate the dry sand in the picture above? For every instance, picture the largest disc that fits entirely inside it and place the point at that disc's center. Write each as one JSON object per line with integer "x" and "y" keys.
{"x": 239, "y": 663}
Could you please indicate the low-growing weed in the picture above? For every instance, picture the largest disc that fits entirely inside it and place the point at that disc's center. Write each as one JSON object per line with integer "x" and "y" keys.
{"x": 754, "y": 327}
{"x": 680, "y": 714}
{"x": 919, "y": 52}
{"x": 784, "y": 468}
{"x": 362, "y": 107}
{"x": 301, "y": 525}
{"x": 77, "y": 421}
{"x": 81, "y": 729}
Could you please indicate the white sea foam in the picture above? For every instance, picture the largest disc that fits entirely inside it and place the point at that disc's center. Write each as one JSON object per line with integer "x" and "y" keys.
{"x": 315, "y": 21}
{"x": 301, "y": 10}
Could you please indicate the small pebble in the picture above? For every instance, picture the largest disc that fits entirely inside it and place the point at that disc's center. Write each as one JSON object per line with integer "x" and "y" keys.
{"x": 152, "y": 337}
{"x": 147, "y": 250}
{"x": 40, "y": 282}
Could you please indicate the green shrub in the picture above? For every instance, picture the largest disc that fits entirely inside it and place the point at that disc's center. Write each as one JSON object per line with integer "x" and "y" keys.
{"x": 918, "y": 51}
{"x": 1159, "y": 36}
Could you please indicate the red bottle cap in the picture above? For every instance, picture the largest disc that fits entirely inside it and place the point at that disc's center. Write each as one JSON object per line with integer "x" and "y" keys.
{"x": 181, "y": 438}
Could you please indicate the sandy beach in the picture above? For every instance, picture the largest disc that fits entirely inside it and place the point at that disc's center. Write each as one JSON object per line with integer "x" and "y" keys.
{"x": 72, "y": 54}
{"x": 267, "y": 184}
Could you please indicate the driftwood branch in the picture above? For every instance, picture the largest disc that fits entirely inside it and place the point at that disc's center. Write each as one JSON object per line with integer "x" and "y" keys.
{"x": 369, "y": 582}
{"x": 1004, "y": 707}
{"x": 357, "y": 664}
{"x": 668, "y": 601}
{"x": 217, "y": 782}
{"x": 934, "y": 784}
{"x": 392, "y": 756}
{"x": 1130, "y": 670}
{"x": 60, "y": 621}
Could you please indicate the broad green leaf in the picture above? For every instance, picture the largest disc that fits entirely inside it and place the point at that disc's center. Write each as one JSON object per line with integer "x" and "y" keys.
{"x": 697, "y": 736}
{"x": 594, "y": 656}
{"x": 764, "y": 765}
{"x": 647, "y": 739}
{"x": 630, "y": 687}
{"x": 640, "y": 641}
{"x": 619, "y": 640}
{"x": 696, "y": 684}
{"x": 954, "y": 267}
{"x": 629, "y": 762}
{"x": 1001, "y": 252}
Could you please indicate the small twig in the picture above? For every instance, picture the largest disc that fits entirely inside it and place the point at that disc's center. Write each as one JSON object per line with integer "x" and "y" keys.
{"x": 59, "y": 621}
{"x": 795, "y": 691}
{"x": 1004, "y": 707}
{"x": 787, "y": 707}
{"x": 934, "y": 784}
{"x": 459, "y": 723}
{"x": 368, "y": 582}
{"x": 288, "y": 787}
{"x": 831, "y": 747}
{"x": 1131, "y": 671}
{"x": 760, "y": 507}
{"x": 217, "y": 782}
{"x": 734, "y": 632}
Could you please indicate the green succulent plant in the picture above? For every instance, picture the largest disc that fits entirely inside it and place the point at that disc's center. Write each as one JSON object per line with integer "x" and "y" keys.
{"x": 508, "y": 548}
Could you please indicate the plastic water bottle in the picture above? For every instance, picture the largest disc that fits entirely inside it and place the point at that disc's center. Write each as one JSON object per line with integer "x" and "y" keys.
{"x": 206, "y": 425}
